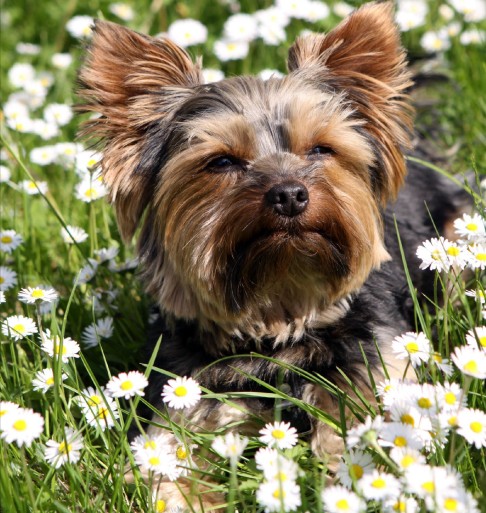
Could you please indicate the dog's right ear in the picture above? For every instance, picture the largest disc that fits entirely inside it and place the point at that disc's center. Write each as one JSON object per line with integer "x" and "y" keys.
{"x": 134, "y": 82}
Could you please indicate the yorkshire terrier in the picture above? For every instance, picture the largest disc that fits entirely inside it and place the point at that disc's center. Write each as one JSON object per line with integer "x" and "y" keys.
{"x": 268, "y": 214}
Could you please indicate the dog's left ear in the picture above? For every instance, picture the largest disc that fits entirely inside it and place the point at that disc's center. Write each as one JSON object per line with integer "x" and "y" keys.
{"x": 134, "y": 82}
{"x": 364, "y": 58}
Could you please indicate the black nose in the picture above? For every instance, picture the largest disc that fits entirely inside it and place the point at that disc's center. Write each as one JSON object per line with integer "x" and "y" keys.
{"x": 288, "y": 199}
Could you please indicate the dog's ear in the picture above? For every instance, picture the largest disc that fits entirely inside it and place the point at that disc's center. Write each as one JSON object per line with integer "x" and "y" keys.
{"x": 363, "y": 56}
{"x": 133, "y": 82}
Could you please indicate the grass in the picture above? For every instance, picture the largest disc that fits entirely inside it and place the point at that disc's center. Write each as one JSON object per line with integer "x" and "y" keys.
{"x": 96, "y": 483}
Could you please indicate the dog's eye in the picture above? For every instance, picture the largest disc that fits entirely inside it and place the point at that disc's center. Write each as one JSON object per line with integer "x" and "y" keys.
{"x": 320, "y": 151}
{"x": 225, "y": 163}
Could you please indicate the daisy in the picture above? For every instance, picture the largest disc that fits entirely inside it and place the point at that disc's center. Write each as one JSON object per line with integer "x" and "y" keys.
{"x": 106, "y": 254}
{"x": 80, "y": 26}
{"x": 2, "y": 297}
{"x": 4, "y": 174}
{"x": 40, "y": 293}
{"x": 65, "y": 348}
{"x": 181, "y": 392}
{"x": 401, "y": 505}
{"x": 22, "y": 426}
{"x": 91, "y": 189}
{"x": 240, "y": 27}
{"x": 276, "y": 498}
{"x": 123, "y": 11}
{"x": 32, "y": 188}
{"x": 87, "y": 272}
{"x": 45, "y": 129}
{"x": 470, "y": 361}
{"x": 442, "y": 363}
{"x": 72, "y": 234}
{"x": 230, "y": 50}
{"x": 20, "y": 74}
{"x": 415, "y": 346}
{"x": 5, "y": 408}
{"x": 410, "y": 14}
{"x": 425, "y": 399}
{"x": 405, "y": 457}
{"x": 473, "y": 10}
{"x": 62, "y": 60}
{"x": 379, "y": 486}
{"x": 353, "y": 467}
{"x": 230, "y": 446}
{"x": 451, "y": 397}
{"x": 272, "y": 17}
{"x": 338, "y": 499}
{"x": 362, "y": 435}
{"x": 272, "y": 35}
{"x": 279, "y": 434}
{"x": 102, "y": 328}
{"x": 315, "y": 11}
{"x": 477, "y": 337}
{"x": 44, "y": 379}
{"x": 66, "y": 451}
{"x": 472, "y": 37}
{"x": 267, "y": 457}
{"x": 160, "y": 461}
{"x": 8, "y": 278}
{"x": 9, "y": 240}
{"x": 43, "y": 156}
{"x": 87, "y": 161}
{"x": 211, "y": 75}
{"x": 435, "y": 41}
{"x": 391, "y": 390}
{"x": 425, "y": 480}
{"x": 267, "y": 74}
{"x": 183, "y": 456}
{"x": 187, "y": 32}
{"x": 433, "y": 256}
{"x": 479, "y": 295}
{"x": 477, "y": 256}
{"x": 101, "y": 414}
{"x": 127, "y": 385}
{"x": 59, "y": 114}
{"x": 470, "y": 227}
{"x": 396, "y": 434}
{"x": 471, "y": 424}
{"x": 18, "y": 326}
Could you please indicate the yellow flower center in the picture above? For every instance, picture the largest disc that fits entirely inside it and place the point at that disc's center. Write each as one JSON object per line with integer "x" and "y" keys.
{"x": 472, "y": 227}
{"x": 6, "y": 239}
{"x": 450, "y": 504}
{"x": 400, "y": 506}
{"x": 180, "y": 391}
{"x": 435, "y": 254}
{"x": 65, "y": 449}
{"x": 89, "y": 193}
{"x": 38, "y": 293}
{"x": 20, "y": 425}
{"x": 154, "y": 460}
{"x": 428, "y": 486}
{"x": 342, "y": 505}
{"x": 450, "y": 398}
{"x": 454, "y": 251}
{"x": 452, "y": 421}
{"x": 278, "y": 434}
{"x": 50, "y": 381}
{"x": 160, "y": 506}
{"x": 19, "y": 328}
{"x": 57, "y": 347}
{"x": 424, "y": 402}
{"x": 481, "y": 257}
{"x": 379, "y": 482}
{"x": 279, "y": 494}
{"x": 476, "y": 426}
{"x": 412, "y": 347}
{"x": 471, "y": 366}
{"x": 356, "y": 471}
{"x": 94, "y": 400}
{"x": 181, "y": 453}
{"x": 92, "y": 163}
{"x": 150, "y": 444}
{"x": 103, "y": 413}
{"x": 482, "y": 341}
{"x": 2, "y": 279}
{"x": 407, "y": 460}
{"x": 400, "y": 441}
{"x": 406, "y": 418}
{"x": 126, "y": 385}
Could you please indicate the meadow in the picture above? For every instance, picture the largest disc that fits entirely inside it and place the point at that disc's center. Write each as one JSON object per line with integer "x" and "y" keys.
{"x": 74, "y": 316}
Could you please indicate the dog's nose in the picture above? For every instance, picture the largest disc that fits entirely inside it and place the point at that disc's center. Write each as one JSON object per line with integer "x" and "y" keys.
{"x": 288, "y": 199}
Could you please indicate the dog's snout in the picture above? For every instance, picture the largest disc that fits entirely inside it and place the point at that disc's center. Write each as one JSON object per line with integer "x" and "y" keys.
{"x": 288, "y": 199}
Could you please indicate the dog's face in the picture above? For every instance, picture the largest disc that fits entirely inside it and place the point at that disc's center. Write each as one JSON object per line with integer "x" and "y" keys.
{"x": 262, "y": 198}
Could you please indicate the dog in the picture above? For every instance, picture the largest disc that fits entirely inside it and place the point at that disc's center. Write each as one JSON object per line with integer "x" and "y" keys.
{"x": 267, "y": 215}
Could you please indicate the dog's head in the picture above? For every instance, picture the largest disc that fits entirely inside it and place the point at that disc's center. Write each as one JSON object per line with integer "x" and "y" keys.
{"x": 259, "y": 201}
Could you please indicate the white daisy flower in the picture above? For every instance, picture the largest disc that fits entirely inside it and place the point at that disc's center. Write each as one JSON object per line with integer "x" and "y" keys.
{"x": 101, "y": 414}
{"x": 240, "y": 27}
{"x": 230, "y": 50}
{"x": 90, "y": 398}
{"x": 80, "y": 26}
{"x": 5, "y": 408}
{"x": 338, "y": 499}
{"x": 106, "y": 254}
{"x": 272, "y": 35}
{"x": 86, "y": 161}
{"x": 473, "y": 10}
{"x": 61, "y": 60}
{"x": 9, "y": 240}
{"x": 68, "y": 450}
{"x": 451, "y": 397}
{"x": 405, "y": 457}
{"x": 8, "y": 278}
{"x": 353, "y": 466}
{"x": 102, "y": 328}
{"x": 44, "y": 379}
{"x": 477, "y": 337}
{"x": 230, "y": 446}
{"x": 401, "y": 505}
{"x": 342, "y": 9}
{"x": 442, "y": 363}
{"x": 72, "y": 234}
{"x": 274, "y": 497}
{"x": 470, "y": 361}
{"x": 20, "y": 74}
{"x": 292, "y": 8}
{"x": 43, "y": 155}
{"x": 87, "y": 272}
{"x": 278, "y": 434}
{"x": 425, "y": 398}
{"x": 267, "y": 74}
{"x": 435, "y": 41}
{"x": 411, "y": 14}
{"x": 415, "y": 346}
{"x": 211, "y": 75}
{"x": 479, "y": 295}
{"x": 40, "y": 293}
{"x": 65, "y": 348}
{"x": 127, "y": 385}
{"x": 470, "y": 227}
{"x": 123, "y": 11}
{"x": 181, "y": 392}
{"x": 315, "y": 11}
{"x": 396, "y": 434}
{"x": 187, "y": 32}
{"x": 4, "y": 174}
{"x": 477, "y": 256}
{"x": 379, "y": 486}
{"x": 18, "y": 327}
{"x": 446, "y": 12}
{"x": 44, "y": 129}
{"x": 361, "y": 435}
{"x": 22, "y": 426}
{"x": 433, "y": 256}
{"x": 183, "y": 456}
{"x": 27, "y": 49}
{"x": 22, "y": 124}
{"x": 267, "y": 457}
{"x": 471, "y": 424}
{"x": 391, "y": 390}
{"x": 58, "y": 114}
{"x": 272, "y": 17}
{"x": 160, "y": 461}
{"x": 14, "y": 109}
{"x": 472, "y": 36}
{"x": 32, "y": 188}
{"x": 424, "y": 481}
{"x": 91, "y": 188}
{"x": 2, "y": 297}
